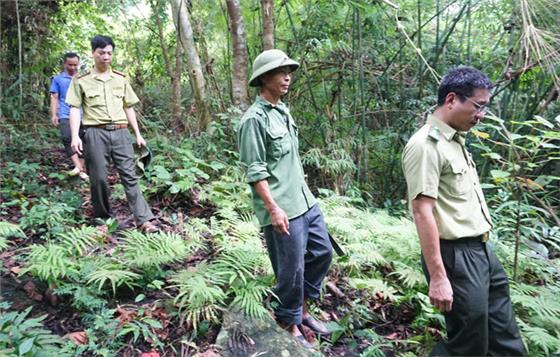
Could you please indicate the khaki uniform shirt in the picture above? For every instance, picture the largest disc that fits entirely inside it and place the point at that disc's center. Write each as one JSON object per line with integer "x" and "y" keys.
{"x": 103, "y": 101}
{"x": 269, "y": 150}
{"x": 436, "y": 164}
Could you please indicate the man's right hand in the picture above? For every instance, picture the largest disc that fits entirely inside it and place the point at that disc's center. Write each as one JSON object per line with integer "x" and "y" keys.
{"x": 280, "y": 221}
{"x": 77, "y": 146}
{"x": 54, "y": 120}
{"x": 441, "y": 294}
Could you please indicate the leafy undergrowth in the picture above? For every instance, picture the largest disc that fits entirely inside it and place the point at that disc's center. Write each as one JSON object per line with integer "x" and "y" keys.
{"x": 69, "y": 288}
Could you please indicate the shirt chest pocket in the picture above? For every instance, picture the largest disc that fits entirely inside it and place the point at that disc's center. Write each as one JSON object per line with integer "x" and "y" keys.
{"x": 460, "y": 180}
{"x": 94, "y": 98}
{"x": 118, "y": 94}
{"x": 279, "y": 143}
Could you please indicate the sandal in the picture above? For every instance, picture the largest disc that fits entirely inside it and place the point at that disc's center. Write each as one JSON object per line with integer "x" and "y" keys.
{"x": 148, "y": 227}
{"x": 317, "y": 326}
{"x": 301, "y": 339}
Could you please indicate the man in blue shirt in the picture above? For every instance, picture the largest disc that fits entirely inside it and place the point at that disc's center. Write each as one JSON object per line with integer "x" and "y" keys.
{"x": 60, "y": 111}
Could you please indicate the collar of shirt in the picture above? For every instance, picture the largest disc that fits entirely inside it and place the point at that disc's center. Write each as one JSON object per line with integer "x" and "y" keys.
{"x": 65, "y": 74}
{"x": 447, "y": 131}
{"x": 96, "y": 74}
{"x": 280, "y": 106}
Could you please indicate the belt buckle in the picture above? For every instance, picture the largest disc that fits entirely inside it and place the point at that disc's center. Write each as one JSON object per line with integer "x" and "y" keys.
{"x": 110, "y": 127}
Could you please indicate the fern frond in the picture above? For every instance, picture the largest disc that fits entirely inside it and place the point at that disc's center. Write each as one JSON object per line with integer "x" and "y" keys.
{"x": 408, "y": 276}
{"x": 249, "y": 298}
{"x": 153, "y": 250}
{"x": 540, "y": 338}
{"x": 49, "y": 262}
{"x": 200, "y": 296}
{"x": 113, "y": 273}
{"x": 8, "y": 230}
{"x": 79, "y": 241}
{"x": 374, "y": 286}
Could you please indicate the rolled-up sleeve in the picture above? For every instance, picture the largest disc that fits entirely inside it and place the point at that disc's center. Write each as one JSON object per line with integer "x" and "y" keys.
{"x": 251, "y": 137}
{"x": 74, "y": 94}
{"x": 422, "y": 169}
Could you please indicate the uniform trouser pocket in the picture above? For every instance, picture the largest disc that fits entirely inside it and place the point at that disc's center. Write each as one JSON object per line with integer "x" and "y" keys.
{"x": 481, "y": 321}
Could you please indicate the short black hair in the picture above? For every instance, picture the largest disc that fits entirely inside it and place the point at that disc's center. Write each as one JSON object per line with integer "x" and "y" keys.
{"x": 70, "y": 55}
{"x": 462, "y": 80}
{"x": 101, "y": 41}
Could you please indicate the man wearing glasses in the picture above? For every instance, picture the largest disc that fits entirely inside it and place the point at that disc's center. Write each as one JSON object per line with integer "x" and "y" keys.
{"x": 466, "y": 280}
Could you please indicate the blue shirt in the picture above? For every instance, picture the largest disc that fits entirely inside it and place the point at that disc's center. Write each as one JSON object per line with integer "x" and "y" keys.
{"x": 59, "y": 85}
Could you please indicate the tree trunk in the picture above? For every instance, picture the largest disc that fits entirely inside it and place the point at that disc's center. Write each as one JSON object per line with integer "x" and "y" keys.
{"x": 267, "y": 14}
{"x": 183, "y": 24}
{"x": 239, "y": 76}
{"x": 174, "y": 73}
{"x": 176, "y": 85}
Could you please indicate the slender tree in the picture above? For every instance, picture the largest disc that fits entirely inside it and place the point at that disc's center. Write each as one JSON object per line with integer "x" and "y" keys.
{"x": 239, "y": 75}
{"x": 174, "y": 72}
{"x": 182, "y": 22}
{"x": 267, "y": 14}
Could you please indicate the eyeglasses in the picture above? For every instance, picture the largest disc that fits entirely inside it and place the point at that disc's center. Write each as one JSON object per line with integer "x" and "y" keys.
{"x": 481, "y": 108}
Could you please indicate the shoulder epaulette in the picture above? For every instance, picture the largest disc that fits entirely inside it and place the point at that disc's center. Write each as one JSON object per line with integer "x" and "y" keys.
{"x": 119, "y": 73}
{"x": 433, "y": 133}
{"x": 85, "y": 74}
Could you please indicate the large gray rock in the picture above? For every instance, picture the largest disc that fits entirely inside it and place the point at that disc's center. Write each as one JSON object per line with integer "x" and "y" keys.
{"x": 245, "y": 336}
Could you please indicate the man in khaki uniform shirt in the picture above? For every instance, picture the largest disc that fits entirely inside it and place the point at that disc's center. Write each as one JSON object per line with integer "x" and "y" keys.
{"x": 107, "y": 99}
{"x": 466, "y": 280}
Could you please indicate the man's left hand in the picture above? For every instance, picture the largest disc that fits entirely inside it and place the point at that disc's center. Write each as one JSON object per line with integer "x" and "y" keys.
{"x": 140, "y": 140}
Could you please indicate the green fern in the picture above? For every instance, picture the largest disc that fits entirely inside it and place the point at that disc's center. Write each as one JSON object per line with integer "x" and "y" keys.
{"x": 153, "y": 250}
{"x": 113, "y": 273}
{"x": 3, "y": 243}
{"x": 200, "y": 296}
{"x": 541, "y": 338}
{"x": 80, "y": 241}
{"x": 249, "y": 298}
{"x": 49, "y": 262}
{"x": 374, "y": 286}
{"x": 410, "y": 278}
{"x": 8, "y": 230}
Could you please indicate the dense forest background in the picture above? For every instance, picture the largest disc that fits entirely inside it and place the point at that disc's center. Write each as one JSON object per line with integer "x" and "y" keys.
{"x": 369, "y": 73}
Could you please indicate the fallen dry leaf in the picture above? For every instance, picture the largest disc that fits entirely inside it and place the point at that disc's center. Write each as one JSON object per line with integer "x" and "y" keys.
{"x": 79, "y": 337}
{"x": 31, "y": 291}
{"x": 152, "y": 353}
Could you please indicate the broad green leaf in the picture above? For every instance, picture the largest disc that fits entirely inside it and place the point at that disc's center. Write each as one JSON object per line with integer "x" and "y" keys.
{"x": 499, "y": 174}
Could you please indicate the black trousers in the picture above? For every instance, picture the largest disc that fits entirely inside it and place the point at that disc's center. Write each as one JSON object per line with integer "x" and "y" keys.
{"x": 481, "y": 321}
{"x": 300, "y": 262}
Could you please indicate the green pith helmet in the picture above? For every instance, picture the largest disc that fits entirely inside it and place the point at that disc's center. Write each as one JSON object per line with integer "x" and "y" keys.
{"x": 142, "y": 158}
{"x": 269, "y": 60}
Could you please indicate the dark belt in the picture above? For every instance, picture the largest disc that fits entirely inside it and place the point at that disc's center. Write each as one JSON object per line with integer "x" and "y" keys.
{"x": 108, "y": 126}
{"x": 465, "y": 240}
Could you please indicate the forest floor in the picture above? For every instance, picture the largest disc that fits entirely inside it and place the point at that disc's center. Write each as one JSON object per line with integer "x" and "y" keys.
{"x": 22, "y": 291}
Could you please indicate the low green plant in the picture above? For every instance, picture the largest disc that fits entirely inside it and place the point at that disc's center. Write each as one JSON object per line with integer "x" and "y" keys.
{"x": 21, "y": 335}
{"x": 152, "y": 250}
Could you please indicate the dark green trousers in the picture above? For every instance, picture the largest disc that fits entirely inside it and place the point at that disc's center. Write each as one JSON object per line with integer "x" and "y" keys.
{"x": 101, "y": 147}
{"x": 481, "y": 321}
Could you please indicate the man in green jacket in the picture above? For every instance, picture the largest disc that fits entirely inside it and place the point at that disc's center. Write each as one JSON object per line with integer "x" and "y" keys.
{"x": 296, "y": 236}
{"x": 107, "y": 100}
{"x": 466, "y": 280}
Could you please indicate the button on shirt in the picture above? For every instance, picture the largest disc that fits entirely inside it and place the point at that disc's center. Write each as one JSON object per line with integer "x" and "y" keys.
{"x": 269, "y": 150}
{"x": 437, "y": 164}
{"x": 103, "y": 101}
{"x": 59, "y": 85}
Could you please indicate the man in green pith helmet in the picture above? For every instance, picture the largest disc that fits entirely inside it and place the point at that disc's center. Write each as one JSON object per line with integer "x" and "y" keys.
{"x": 107, "y": 100}
{"x": 294, "y": 229}
{"x": 466, "y": 281}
